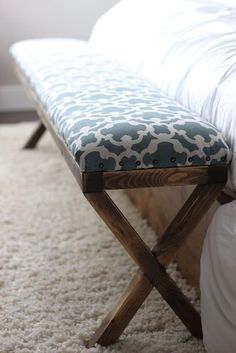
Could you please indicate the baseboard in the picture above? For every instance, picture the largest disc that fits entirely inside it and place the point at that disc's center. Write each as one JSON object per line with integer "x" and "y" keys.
{"x": 13, "y": 98}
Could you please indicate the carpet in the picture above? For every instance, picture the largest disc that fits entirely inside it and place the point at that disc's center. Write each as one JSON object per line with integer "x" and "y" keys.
{"x": 61, "y": 268}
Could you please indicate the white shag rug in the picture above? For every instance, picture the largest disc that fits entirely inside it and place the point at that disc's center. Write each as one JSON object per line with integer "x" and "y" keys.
{"x": 61, "y": 268}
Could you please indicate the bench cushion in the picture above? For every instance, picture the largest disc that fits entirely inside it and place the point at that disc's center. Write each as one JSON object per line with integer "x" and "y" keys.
{"x": 109, "y": 118}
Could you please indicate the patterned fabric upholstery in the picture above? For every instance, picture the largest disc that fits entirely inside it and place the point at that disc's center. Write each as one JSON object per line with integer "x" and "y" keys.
{"x": 109, "y": 118}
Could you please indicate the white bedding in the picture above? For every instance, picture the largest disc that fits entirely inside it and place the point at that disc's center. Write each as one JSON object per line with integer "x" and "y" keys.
{"x": 218, "y": 287}
{"x": 186, "y": 47}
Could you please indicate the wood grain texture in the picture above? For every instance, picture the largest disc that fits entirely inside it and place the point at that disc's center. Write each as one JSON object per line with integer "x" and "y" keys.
{"x": 145, "y": 178}
{"x": 123, "y": 311}
{"x": 187, "y": 219}
{"x": 159, "y": 207}
{"x": 139, "y": 288}
{"x": 151, "y": 268}
{"x": 124, "y": 232}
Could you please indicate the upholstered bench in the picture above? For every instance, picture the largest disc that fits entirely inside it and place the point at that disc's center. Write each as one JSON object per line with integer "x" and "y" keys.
{"x": 118, "y": 131}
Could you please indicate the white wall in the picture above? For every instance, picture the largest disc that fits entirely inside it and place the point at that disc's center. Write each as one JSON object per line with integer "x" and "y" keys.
{"x": 24, "y": 19}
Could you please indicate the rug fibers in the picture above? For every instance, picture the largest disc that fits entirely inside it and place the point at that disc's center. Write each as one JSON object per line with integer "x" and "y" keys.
{"x": 61, "y": 268}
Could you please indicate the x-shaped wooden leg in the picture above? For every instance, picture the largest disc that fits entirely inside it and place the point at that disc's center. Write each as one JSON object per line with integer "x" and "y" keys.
{"x": 151, "y": 262}
{"x": 35, "y": 137}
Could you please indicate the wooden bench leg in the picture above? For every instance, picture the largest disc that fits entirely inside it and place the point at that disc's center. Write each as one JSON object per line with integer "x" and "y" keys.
{"x": 186, "y": 219}
{"x": 123, "y": 311}
{"x": 37, "y": 134}
{"x": 151, "y": 272}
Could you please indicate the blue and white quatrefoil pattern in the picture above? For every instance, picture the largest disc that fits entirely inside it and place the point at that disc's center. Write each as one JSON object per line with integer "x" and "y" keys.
{"x": 111, "y": 119}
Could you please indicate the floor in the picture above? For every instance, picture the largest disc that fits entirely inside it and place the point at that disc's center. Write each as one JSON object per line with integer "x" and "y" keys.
{"x": 17, "y": 117}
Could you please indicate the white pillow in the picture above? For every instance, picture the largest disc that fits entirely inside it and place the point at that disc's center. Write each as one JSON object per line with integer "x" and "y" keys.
{"x": 218, "y": 282}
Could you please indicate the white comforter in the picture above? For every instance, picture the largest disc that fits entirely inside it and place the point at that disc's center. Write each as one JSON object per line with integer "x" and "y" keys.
{"x": 186, "y": 47}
